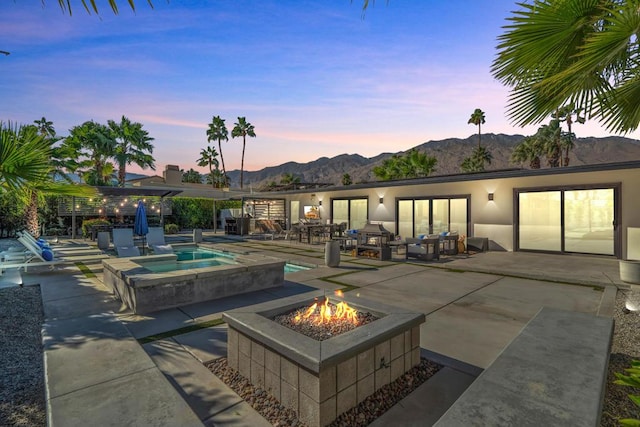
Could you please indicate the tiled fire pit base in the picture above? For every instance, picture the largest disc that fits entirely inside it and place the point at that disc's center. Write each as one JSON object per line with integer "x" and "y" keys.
{"x": 322, "y": 379}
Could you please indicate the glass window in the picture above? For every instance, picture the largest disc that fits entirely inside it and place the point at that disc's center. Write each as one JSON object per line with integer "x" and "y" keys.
{"x": 340, "y": 211}
{"x": 295, "y": 211}
{"x": 458, "y": 216}
{"x": 539, "y": 222}
{"x": 421, "y": 217}
{"x": 440, "y": 215}
{"x": 358, "y": 213}
{"x": 588, "y": 219}
{"x": 352, "y": 211}
{"x": 405, "y": 218}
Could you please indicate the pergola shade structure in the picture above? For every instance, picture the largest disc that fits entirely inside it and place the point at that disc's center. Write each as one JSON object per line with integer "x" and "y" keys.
{"x": 118, "y": 202}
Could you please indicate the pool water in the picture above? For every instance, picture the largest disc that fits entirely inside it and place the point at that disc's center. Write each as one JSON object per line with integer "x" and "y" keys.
{"x": 195, "y": 254}
{"x": 201, "y": 258}
{"x": 163, "y": 267}
{"x": 292, "y": 268}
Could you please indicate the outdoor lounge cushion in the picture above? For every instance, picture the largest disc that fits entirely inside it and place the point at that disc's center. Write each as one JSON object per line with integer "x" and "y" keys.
{"x": 162, "y": 249}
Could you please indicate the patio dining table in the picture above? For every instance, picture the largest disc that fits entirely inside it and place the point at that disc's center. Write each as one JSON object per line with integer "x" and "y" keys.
{"x": 310, "y": 230}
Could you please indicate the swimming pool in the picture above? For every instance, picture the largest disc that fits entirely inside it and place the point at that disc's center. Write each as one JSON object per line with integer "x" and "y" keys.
{"x": 164, "y": 266}
{"x": 292, "y": 268}
{"x": 192, "y": 254}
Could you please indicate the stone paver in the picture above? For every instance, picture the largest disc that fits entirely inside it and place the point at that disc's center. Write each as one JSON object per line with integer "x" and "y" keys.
{"x": 89, "y": 350}
{"x": 205, "y": 344}
{"x": 141, "y": 399}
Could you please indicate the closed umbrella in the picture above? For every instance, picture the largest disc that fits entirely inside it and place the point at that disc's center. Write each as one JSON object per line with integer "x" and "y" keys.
{"x": 141, "y": 226}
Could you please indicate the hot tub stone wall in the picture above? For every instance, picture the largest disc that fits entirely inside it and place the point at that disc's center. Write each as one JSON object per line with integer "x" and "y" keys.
{"x": 320, "y": 398}
{"x": 143, "y": 291}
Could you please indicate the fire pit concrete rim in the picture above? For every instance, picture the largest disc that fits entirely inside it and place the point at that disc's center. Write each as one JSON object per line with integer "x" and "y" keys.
{"x": 255, "y": 322}
{"x": 288, "y": 303}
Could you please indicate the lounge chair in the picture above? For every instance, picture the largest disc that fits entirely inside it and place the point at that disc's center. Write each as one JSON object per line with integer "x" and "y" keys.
{"x": 33, "y": 256}
{"x": 271, "y": 229}
{"x": 123, "y": 242}
{"x": 156, "y": 242}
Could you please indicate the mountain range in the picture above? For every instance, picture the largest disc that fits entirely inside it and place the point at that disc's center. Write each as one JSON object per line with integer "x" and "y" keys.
{"x": 449, "y": 153}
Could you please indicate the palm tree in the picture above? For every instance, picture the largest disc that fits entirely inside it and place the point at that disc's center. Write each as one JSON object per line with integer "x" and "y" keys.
{"x": 289, "y": 178}
{"x": 529, "y": 150}
{"x": 45, "y": 127}
{"x": 346, "y": 179}
{"x": 209, "y": 158}
{"x": 477, "y": 118}
{"x": 419, "y": 164}
{"x": 476, "y": 162}
{"x": 243, "y": 129}
{"x": 91, "y": 5}
{"x": 391, "y": 168}
{"x": 565, "y": 114}
{"x": 551, "y": 137}
{"x": 94, "y": 144}
{"x": 26, "y": 169}
{"x": 133, "y": 146}
{"x": 218, "y": 132}
{"x": 413, "y": 164}
{"x": 580, "y": 52}
{"x": 216, "y": 179}
{"x": 192, "y": 176}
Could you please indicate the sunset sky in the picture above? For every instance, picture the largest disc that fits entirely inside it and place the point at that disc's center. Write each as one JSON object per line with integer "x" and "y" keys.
{"x": 315, "y": 77}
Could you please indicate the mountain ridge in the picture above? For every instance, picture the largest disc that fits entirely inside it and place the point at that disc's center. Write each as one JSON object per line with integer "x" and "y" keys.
{"x": 449, "y": 152}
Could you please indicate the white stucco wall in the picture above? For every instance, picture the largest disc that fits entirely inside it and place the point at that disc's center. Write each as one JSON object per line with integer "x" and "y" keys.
{"x": 495, "y": 219}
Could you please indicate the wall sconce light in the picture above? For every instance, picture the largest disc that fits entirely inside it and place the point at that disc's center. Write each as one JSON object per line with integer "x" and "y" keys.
{"x": 381, "y": 200}
{"x": 490, "y": 196}
{"x": 320, "y": 203}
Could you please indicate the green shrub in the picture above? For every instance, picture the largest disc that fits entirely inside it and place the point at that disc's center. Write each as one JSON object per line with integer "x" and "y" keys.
{"x": 88, "y": 223}
{"x": 171, "y": 228}
{"x": 631, "y": 380}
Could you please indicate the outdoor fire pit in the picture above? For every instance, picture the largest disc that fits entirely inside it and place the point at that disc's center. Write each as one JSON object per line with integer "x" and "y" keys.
{"x": 322, "y": 378}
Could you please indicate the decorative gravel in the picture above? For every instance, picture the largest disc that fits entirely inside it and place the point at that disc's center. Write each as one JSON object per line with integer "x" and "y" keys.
{"x": 313, "y": 327}
{"x": 363, "y": 414}
{"x": 624, "y": 349}
{"x": 22, "y": 401}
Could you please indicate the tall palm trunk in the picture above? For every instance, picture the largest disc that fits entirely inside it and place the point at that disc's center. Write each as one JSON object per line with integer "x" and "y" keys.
{"x": 479, "y": 133}
{"x": 224, "y": 169}
{"x": 122, "y": 174}
{"x": 31, "y": 216}
{"x": 566, "y": 153}
{"x": 244, "y": 140}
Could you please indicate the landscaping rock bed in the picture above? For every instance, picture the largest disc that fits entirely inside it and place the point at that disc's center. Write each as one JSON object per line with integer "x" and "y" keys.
{"x": 363, "y": 414}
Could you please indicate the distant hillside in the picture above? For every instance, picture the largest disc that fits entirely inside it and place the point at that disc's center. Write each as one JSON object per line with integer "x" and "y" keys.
{"x": 449, "y": 152}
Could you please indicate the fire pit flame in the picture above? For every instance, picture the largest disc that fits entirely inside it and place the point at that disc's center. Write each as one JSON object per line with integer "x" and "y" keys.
{"x": 323, "y": 313}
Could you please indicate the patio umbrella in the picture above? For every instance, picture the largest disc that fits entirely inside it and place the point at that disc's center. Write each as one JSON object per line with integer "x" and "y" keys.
{"x": 141, "y": 226}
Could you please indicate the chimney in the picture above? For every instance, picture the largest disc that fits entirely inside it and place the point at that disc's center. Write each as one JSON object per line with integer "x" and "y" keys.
{"x": 172, "y": 175}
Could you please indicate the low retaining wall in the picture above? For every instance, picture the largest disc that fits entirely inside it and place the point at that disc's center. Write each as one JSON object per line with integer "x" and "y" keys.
{"x": 144, "y": 291}
{"x": 553, "y": 373}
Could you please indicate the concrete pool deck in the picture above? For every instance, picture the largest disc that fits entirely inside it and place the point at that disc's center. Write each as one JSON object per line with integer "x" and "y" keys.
{"x": 474, "y": 306}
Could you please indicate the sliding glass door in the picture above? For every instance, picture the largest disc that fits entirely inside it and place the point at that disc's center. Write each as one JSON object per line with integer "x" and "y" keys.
{"x": 352, "y": 211}
{"x": 432, "y": 216}
{"x": 568, "y": 220}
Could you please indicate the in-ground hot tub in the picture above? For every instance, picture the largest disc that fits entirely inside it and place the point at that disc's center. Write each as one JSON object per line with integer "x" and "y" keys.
{"x": 143, "y": 290}
{"x": 322, "y": 379}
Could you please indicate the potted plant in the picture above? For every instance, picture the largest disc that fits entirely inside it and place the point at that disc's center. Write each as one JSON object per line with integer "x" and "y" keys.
{"x": 630, "y": 271}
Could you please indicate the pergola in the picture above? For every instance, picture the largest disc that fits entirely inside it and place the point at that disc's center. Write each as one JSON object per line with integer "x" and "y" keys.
{"x": 114, "y": 201}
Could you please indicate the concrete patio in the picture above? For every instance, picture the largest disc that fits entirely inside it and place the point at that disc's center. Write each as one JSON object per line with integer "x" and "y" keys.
{"x": 475, "y": 305}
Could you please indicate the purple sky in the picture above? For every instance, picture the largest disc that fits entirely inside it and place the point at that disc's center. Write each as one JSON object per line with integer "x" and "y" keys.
{"x": 313, "y": 77}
